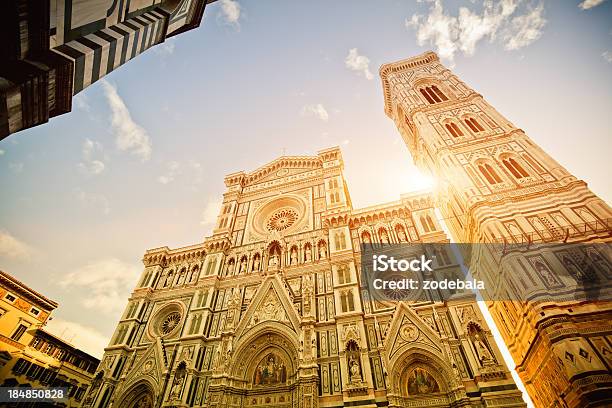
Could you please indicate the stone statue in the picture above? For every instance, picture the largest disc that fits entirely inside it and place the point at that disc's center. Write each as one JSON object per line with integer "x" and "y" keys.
{"x": 256, "y": 263}
{"x": 354, "y": 370}
{"x": 402, "y": 235}
{"x": 243, "y": 265}
{"x": 307, "y": 254}
{"x": 384, "y": 238}
{"x": 322, "y": 252}
{"x": 294, "y": 257}
{"x": 482, "y": 349}
{"x": 273, "y": 262}
{"x": 177, "y": 385}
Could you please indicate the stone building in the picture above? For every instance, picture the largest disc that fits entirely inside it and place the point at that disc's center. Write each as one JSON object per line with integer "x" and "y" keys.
{"x": 51, "y": 50}
{"x": 497, "y": 186}
{"x": 31, "y": 356}
{"x": 272, "y": 310}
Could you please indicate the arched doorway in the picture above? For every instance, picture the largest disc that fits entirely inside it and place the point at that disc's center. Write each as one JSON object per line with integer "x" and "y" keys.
{"x": 266, "y": 368}
{"x": 140, "y": 395}
{"x": 420, "y": 378}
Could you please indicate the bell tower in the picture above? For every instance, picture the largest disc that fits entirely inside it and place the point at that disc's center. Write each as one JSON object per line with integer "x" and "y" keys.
{"x": 496, "y": 186}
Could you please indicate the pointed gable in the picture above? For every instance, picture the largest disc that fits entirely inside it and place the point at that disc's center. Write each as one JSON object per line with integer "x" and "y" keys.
{"x": 271, "y": 303}
{"x": 407, "y": 328}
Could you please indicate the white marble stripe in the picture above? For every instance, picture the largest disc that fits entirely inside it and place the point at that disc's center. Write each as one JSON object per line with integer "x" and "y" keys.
{"x": 112, "y": 33}
{"x": 103, "y": 53}
{"x": 89, "y": 55}
{"x": 130, "y": 39}
{"x": 142, "y": 33}
{"x": 118, "y": 49}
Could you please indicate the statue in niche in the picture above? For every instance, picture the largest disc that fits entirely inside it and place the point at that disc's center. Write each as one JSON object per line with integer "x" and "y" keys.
{"x": 366, "y": 238}
{"x": 274, "y": 256}
{"x": 352, "y": 357}
{"x": 230, "y": 267}
{"x": 270, "y": 371}
{"x": 402, "y": 235}
{"x": 294, "y": 257}
{"x": 169, "y": 277}
{"x": 355, "y": 370}
{"x": 384, "y": 237}
{"x": 421, "y": 382}
{"x": 322, "y": 251}
{"x": 177, "y": 384}
{"x": 256, "y": 263}
{"x": 483, "y": 351}
{"x": 307, "y": 254}
{"x": 243, "y": 265}
{"x": 273, "y": 262}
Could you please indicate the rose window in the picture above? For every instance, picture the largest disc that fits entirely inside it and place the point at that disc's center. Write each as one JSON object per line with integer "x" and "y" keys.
{"x": 282, "y": 219}
{"x": 170, "y": 323}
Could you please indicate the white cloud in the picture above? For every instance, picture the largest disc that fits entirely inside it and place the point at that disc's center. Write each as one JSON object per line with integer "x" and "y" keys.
{"x": 502, "y": 21}
{"x": 607, "y": 56}
{"x": 317, "y": 110}
{"x": 129, "y": 136}
{"x": 359, "y": 63}
{"x": 588, "y": 4}
{"x": 172, "y": 170}
{"x": 85, "y": 338}
{"x": 90, "y": 164}
{"x": 210, "y": 213}
{"x": 525, "y": 29}
{"x": 1, "y": 152}
{"x": 94, "y": 200}
{"x": 11, "y": 247}
{"x": 230, "y": 12}
{"x": 16, "y": 167}
{"x": 106, "y": 284}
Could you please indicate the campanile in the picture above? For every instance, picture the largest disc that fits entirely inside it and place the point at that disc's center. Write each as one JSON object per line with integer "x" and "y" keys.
{"x": 496, "y": 186}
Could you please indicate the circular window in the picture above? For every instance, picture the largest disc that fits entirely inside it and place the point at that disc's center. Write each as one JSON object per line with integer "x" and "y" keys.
{"x": 166, "y": 321}
{"x": 281, "y": 219}
{"x": 169, "y": 323}
{"x": 286, "y": 214}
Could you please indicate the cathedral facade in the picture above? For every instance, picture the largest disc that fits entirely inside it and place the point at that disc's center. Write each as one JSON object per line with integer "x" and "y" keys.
{"x": 497, "y": 187}
{"x": 272, "y": 310}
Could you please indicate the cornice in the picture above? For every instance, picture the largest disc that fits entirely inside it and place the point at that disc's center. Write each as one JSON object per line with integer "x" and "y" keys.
{"x": 408, "y": 64}
{"x": 30, "y": 294}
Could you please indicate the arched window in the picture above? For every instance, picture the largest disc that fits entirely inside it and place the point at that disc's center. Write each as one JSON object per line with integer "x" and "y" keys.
{"x": 430, "y": 223}
{"x": 474, "y": 125}
{"x": 515, "y": 168}
{"x": 340, "y": 240}
{"x": 488, "y": 173}
{"x": 453, "y": 129}
{"x": 424, "y": 224}
{"x": 433, "y": 94}
{"x": 347, "y": 302}
{"x": 533, "y": 163}
{"x": 344, "y": 275}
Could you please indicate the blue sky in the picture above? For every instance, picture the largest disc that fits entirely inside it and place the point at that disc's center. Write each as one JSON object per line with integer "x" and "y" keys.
{"x": 140, "y": 161}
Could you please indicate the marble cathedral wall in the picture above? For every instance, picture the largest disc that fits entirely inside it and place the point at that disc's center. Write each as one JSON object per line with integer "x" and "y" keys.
{"x": 272, "y": 310}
